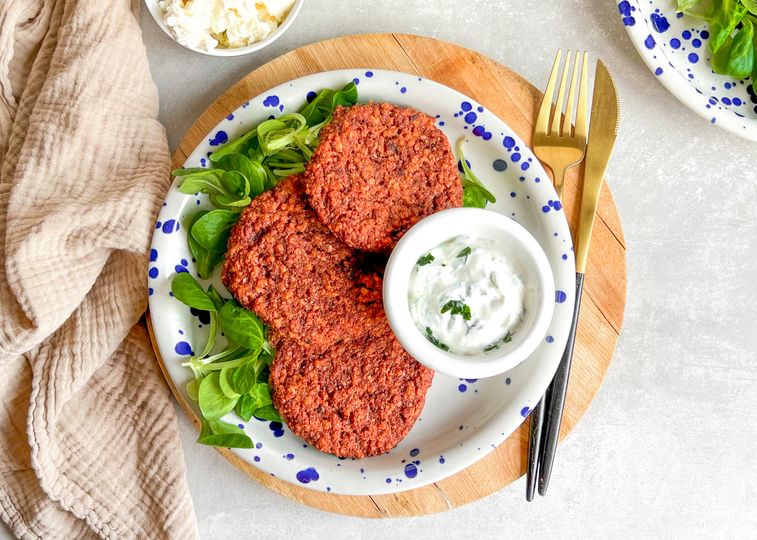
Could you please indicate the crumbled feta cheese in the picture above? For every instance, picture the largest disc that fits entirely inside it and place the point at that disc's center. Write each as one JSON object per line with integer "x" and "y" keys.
{"x": 207, "y": 24}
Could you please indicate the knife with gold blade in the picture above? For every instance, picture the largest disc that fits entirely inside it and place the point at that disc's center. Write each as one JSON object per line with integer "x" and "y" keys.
{"x": 603, "y": 129}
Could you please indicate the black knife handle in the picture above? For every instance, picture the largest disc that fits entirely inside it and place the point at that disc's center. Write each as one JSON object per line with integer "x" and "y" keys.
{"x": 557, "y": 391}
{"x": 534, "y": 447}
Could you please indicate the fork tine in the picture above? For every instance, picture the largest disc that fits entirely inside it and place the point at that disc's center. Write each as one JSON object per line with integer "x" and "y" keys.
{"x": 561, "y": 96}
{"x": 542, "y": 121}
{"x": 581, "y": 111}
{"x": 568, "y": 120}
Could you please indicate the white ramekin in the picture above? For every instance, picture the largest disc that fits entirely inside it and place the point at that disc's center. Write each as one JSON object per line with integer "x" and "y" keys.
{"x": 524, "y": 253}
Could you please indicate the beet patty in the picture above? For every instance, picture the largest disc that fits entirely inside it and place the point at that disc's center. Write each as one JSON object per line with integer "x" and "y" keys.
{"x": 286, "y": 266}
{"x": 377, "y": 171}
{"x": 357, "y": 398}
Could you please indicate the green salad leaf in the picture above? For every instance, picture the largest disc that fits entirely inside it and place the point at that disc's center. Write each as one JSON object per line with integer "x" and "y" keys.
{"x": 232, "y": 356}
{"x": 474, "y": 193}
{"x": 241, "y": 326}
{"x": 319, "y": 110}
{"x": 741, "y": 58}
{"x": 219, "y": 433}
{"x": 205, "y": 259}
{"x": 206, "y": 181}
{"x": 238, "y": 146}
{"x": 243, "y": 378}
{"x": 224, "y": 381}
{"x": 474, "y": 197}
{"x": 212, "y": 230}
{"x": 685, "y": 5}
{"x": 214, "y": 403}
{"x": 187, "y": 291}
{"x": 245, "y": 407}
{"x": 243, "y": 165}
{"x": 732, "y": 36}
{"x": 257, "y": 402}
{"x": 212, "y": 334}
{"x": 193, "y": 387}
{"x": 235, "y": 378}
{"x": 750, "y": 5}
{"x": 268, "y": 412}
{"x": 261, "y": 393}
{"x": 215, "y": 298}
{"x": 724, "y": 21}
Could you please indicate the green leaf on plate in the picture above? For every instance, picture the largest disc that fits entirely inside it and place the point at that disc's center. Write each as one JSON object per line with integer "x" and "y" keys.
{"x": 188, "y": 291}
{"x": 216, "y": 298}
{"x": 224, "y": 381}
{"x": 238, "y": 146}
{"x": 192, "y": 388}
{"x": 268, "y": 412}
{"x": 750, "y": 5}
{"x": 241, "y": 326}
{"x": 473, "y": 197}
{"x": 201, "y": 181}
{"x": 245, "y": 407}
{"x": 741, "y": 58}
{"x": 212, "y": 230}
{"x": 213, "y": 402}
{"x": 223, "y": 434}
{"x": 205, "y": 259}
{"x": 474, "y": 193}
{"x": 261, "y": 392}
{"x": 243, "y": 378}
{"x": 726, "y": 16}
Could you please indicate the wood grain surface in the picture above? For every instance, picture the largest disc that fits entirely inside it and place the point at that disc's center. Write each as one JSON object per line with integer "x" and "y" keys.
{"x": 516, "y": 101}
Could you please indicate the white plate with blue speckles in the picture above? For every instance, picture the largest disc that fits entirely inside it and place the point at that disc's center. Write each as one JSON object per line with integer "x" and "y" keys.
{"x": 463, "y": 420}
{"x": 674, "y": 47}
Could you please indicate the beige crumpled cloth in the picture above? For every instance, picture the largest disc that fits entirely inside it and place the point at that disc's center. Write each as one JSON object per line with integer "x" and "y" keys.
{"x": 88, "y": 437}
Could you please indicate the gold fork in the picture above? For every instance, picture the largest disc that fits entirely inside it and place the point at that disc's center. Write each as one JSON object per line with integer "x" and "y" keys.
{"x": 558, "y": 146}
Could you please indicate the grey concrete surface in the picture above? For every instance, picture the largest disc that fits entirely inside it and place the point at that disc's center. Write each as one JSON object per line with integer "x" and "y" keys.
{"x": 667, "y": 449}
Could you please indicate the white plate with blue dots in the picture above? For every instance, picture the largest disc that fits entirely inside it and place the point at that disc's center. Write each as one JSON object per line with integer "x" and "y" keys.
{"x": 674, "y": 47}
{"x": 463, "y": 419}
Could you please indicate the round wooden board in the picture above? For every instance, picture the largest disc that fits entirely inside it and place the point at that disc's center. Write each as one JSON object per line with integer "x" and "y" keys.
{"x": 515, "y": 101}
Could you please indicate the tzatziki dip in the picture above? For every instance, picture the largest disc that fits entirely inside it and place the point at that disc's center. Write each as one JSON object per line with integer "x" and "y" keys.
{"x": 465, "y": 297}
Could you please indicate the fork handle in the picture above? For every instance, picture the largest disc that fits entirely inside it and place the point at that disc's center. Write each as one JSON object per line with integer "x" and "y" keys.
{"x": 559, "y": 181}
{"x": 557, "y": 392}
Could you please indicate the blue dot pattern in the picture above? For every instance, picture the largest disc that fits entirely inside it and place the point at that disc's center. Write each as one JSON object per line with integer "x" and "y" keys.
{"x": 220, "y": 137}
{"x": 308, "y": 475}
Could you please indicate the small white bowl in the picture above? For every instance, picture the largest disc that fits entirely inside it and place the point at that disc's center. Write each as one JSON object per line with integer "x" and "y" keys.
{"x": 524, "y": 254}
{"x": 157, "y": 14}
